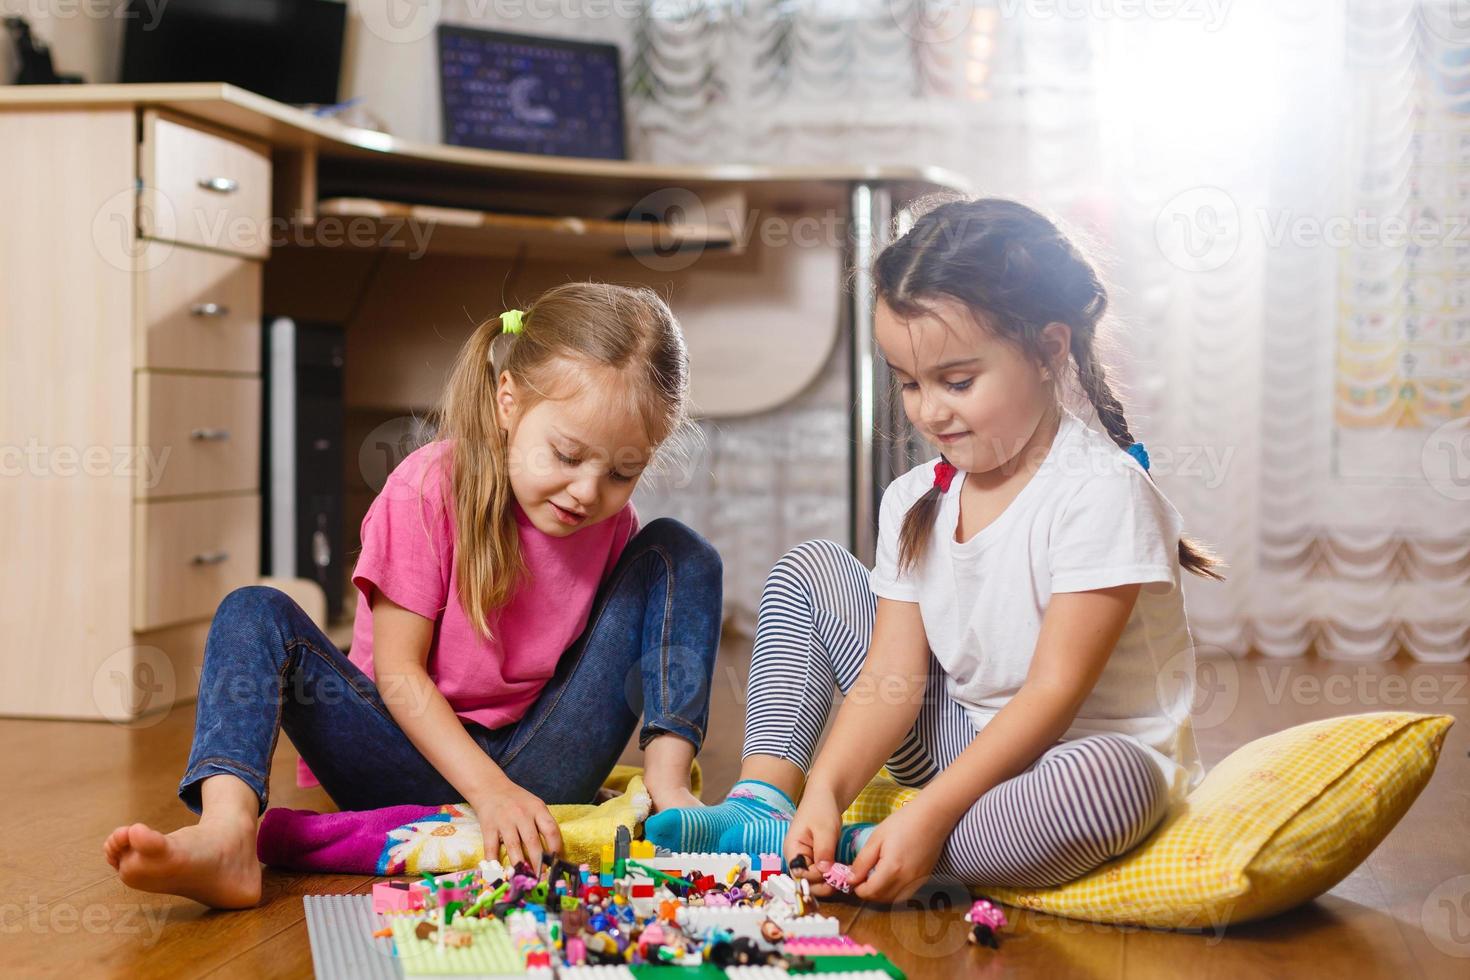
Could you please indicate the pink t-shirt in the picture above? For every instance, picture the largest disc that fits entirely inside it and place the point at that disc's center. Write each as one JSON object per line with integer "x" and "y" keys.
{"x": 408, "y": 555}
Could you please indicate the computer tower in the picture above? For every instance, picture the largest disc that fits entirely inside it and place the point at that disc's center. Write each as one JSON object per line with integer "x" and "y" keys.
{"x": 302, "y": 454}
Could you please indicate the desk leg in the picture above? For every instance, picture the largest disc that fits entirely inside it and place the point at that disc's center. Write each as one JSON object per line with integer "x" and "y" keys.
{"x": 869, "y": 212}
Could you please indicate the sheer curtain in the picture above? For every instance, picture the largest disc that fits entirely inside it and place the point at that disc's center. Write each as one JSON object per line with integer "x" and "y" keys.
{"x": 1277, "y": 192}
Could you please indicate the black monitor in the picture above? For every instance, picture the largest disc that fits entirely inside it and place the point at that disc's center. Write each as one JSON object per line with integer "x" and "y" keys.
{"x": 530, "y": 94}
{"x": 287, "y": 50}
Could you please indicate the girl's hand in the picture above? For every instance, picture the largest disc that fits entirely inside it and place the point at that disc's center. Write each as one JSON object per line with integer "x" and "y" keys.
{"x": 813, "y": 835}
{"x": 517, "y": 819}
{"x": 900, "y": 854}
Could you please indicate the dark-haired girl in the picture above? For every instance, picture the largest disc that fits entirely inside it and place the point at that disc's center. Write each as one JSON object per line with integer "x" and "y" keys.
{"x": 1020, "y": 650}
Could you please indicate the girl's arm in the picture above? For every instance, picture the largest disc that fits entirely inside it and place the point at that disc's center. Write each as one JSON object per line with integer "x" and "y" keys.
{"x": 508, "y": 814}
{"x": 1077, "y": 636}
{"x": 880, "y": 708}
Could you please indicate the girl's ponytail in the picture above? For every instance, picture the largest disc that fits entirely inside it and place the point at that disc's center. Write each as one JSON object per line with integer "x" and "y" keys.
{"x": 918, "y": 526}
{"x": 487, "y": 545}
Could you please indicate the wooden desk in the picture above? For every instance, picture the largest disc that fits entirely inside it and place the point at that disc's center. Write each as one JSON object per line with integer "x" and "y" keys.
{"x": 149, "y": 227}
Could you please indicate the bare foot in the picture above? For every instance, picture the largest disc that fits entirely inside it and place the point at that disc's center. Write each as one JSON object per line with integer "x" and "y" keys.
{"x": 672, "y": 799}
{"x": 212, "y": 862}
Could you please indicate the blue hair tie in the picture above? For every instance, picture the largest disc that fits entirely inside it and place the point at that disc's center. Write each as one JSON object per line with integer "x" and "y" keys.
{"x": 1139, "y": 453}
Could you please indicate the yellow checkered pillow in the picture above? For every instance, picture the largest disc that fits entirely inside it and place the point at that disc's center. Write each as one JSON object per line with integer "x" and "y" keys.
{"x": 1277, "y": 823}
{"x": 878, "y": 799}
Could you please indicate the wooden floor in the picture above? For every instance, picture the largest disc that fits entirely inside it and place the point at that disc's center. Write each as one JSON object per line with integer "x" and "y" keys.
{"x": 1402, "y": 914}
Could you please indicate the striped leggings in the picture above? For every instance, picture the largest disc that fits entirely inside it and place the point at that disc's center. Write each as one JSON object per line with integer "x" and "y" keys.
{"x": 1078, "y": 805}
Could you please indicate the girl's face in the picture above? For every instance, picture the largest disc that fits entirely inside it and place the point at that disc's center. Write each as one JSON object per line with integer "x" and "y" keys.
{"x": 977, "y": 398}
{"x": 575, "y": 457}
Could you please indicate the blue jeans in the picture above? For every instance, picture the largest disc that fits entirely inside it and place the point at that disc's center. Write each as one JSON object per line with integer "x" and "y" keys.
{"x": 648, "y": 649}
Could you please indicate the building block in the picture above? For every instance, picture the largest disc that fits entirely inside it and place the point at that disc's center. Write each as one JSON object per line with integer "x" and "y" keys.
{"x": 399, "y": 896}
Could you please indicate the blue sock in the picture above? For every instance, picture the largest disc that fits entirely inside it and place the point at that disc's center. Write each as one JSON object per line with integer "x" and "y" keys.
{"x": 769, "y": 837}
{"x": 852, "y": 839}
{"x": 699, "y": 829}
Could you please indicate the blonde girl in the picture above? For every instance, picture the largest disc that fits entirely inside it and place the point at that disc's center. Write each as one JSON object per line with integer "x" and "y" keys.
{"x": 514, "y": 621}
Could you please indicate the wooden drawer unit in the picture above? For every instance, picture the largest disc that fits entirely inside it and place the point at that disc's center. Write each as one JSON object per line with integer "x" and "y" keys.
{"x": 204, "y": 431}
{"x": 190, "y": 554}
{"x": 203, "y": 188}
{"x": 199, "y": 311}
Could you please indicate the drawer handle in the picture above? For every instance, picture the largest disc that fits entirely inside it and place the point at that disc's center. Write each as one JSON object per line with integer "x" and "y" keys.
{"x": 209, "y": 309}
{"x": 210, "y": 558}
{"x": 220, "y": 185}
{"x": 209, "y": 435}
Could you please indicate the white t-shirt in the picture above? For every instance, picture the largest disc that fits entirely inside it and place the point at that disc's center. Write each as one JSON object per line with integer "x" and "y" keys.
{"x": 1090, "y": 518}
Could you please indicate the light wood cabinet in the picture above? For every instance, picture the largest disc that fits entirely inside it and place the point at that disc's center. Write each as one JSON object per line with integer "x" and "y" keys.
{"x": 190, "y": 553}
{"x": 129, "y": 402}
{"x": 201, "y": 431}
{"x": 204, "y": 189}
{"x": 199, "y": 311}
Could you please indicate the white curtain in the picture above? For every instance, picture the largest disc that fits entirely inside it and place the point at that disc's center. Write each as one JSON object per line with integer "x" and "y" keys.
{"x": 1277, "y": 192}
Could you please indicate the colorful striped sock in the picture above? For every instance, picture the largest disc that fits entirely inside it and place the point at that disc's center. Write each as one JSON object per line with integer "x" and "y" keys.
{"x": 700, "y": 829}
{"x": 769, "y": 837}
{"x": 852, "y": 839}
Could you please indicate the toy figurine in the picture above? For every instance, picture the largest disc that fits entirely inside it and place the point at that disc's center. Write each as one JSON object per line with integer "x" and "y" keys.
{"x": 839, "y": 876}
{"x": 986, "y": 920}
{"x": 492, "y": 872}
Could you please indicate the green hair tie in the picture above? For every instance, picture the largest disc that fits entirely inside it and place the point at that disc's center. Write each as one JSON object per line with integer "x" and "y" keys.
{"x": 512, "y": 321}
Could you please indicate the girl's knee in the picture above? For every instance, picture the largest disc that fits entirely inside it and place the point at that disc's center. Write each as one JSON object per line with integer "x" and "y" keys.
{"x": 812, "y": 563}
{"x": 255, "y": 622}
{"x": 813, "y": 554}
{"x": 1127, "y": 777}
{"x": 256, "y": 603}
{"x": 687, "y": 547}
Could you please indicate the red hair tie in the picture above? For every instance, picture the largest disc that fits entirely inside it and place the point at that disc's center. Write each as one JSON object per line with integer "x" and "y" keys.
{"x": 944, "y": 472}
